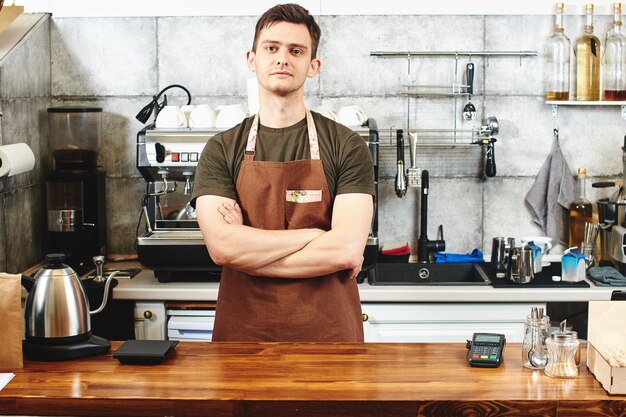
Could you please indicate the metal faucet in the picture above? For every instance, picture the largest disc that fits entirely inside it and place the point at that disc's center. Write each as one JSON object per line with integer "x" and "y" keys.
{"x": 164, "y": 173}
{"x": 424, "y": 246}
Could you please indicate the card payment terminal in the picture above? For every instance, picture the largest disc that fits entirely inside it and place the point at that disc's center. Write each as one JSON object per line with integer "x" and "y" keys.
{"x": 485, "y": 349}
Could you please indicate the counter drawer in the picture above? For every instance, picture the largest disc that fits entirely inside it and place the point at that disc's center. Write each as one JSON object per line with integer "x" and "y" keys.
{"x": 443, "y": 322}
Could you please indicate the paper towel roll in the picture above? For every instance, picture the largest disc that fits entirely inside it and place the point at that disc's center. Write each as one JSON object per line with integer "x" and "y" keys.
{"x": 15, "y": 159}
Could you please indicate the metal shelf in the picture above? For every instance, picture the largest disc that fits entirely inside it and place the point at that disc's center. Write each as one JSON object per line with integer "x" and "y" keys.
{"x": 556, "y": 103}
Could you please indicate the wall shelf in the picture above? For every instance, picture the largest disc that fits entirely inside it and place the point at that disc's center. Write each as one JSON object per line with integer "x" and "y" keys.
{"x": 556, "y": 103}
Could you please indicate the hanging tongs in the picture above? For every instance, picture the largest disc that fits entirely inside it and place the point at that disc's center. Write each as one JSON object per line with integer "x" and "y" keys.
{"x": 400, "y": 182}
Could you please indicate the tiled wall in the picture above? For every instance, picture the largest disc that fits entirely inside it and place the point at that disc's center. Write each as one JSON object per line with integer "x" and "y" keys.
{"x": 118, "y": 63}
{"x": 24, "y": 97}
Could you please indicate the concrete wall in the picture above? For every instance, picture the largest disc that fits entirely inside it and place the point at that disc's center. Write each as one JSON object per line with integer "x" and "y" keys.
{"x": 118, "y": 63}
{"x": 24, "y": 97}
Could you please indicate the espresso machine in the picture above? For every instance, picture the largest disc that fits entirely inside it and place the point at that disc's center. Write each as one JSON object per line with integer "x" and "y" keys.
{"x": 75, "y": 190}
{"x": 613, "y": 214}
{"x": 172, "y": 244}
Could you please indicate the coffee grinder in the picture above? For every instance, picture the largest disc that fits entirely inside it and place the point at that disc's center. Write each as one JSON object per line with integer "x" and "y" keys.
{"x": 75, "y": 191}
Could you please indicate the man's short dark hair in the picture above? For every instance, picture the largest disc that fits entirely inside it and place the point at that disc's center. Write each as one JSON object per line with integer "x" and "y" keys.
{"x": 291, "y": 13}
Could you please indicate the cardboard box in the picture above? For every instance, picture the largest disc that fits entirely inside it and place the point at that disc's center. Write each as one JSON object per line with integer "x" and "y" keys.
{"x": 606, "y": 345}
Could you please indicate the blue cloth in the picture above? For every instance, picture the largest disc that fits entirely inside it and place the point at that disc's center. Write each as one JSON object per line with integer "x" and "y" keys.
{"x": 458, "y": 258}
{"x": 605, "y": 276}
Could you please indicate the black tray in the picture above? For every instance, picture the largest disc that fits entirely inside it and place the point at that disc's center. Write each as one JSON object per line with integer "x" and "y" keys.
{"x": 146, "y": 352}
{"x": 542, "y": 279}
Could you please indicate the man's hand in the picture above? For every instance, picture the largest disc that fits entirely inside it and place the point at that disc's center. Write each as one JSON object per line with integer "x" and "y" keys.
{"x": 232, "y": 214}
{"x": 354, "y": 272}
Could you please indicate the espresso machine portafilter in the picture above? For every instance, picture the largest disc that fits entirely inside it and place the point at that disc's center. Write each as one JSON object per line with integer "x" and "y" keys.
{"x": 488, "y": 131}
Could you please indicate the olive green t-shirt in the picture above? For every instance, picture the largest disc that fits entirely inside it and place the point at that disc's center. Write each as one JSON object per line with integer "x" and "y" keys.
{"x": 346, "y": 159}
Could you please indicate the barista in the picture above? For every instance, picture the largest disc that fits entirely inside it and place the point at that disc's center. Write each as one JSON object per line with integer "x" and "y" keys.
{"x": 284, "y": 202}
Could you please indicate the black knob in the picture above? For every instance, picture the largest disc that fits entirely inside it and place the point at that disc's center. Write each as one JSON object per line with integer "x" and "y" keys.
{"x": 160, "y": 152}
{"x": 55, "y": 258}
{"x": 55, "y": 261}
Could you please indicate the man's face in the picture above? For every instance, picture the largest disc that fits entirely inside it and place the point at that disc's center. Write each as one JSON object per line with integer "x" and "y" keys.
{"x": 282, "y": 60}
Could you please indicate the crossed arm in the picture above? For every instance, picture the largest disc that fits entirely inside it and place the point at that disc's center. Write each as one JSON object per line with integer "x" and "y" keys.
{"x": 301, "y": 253}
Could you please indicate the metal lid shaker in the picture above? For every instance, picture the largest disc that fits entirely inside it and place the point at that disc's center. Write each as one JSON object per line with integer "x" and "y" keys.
{"x": 562, "y": 350}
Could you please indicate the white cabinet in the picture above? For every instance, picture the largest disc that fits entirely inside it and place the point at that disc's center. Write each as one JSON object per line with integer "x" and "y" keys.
{"x": 443, "y": 322}
{"x": 150, "y": 320}
{"x": 190, "y": 325}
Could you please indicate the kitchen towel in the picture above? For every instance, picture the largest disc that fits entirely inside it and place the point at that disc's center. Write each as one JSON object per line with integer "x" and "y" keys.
{"x": 456, "y": 258}
{"x": 551, "y": 194}
{"x": 11, "y": 319}
{"x": 605, "y": 276}
{"x": 15, "y": 159}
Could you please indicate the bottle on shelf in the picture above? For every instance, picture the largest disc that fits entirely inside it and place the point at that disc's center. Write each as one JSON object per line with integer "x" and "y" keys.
{"x": 588, "y": 61}
{"x": 557, "y": 58}
{"x": 580, "y": 212}
{"x": 614, "y": 58}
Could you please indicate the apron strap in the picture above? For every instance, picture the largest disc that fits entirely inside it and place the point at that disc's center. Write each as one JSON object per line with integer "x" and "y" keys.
{"x": 314, "y": 146}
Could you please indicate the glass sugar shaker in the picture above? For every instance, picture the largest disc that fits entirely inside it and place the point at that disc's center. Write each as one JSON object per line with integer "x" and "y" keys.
{"x": 534, "y": 350}
{"x": 563, "y": 347}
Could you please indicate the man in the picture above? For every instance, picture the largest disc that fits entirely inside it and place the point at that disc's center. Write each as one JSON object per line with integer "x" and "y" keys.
{"x": 284, "y": 202}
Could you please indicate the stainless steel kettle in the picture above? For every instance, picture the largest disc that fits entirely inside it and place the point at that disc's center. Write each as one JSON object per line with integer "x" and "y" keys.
{"x": 57, "y": 306}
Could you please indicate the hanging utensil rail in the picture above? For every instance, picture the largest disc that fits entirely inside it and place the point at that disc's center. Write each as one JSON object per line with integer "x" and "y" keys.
{"x": 404, "y": 54}
{"x": 434, "y": 137}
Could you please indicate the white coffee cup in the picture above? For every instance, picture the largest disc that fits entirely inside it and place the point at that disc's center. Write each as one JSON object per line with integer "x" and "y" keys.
{"x": 202, "y": 117}
{"x": 352, "y": 116}
{"x": 229, "y": 116}
{"x": 171, "y": 117}
{"x": 326, "y": 111}
{"x": 544, "y": 242}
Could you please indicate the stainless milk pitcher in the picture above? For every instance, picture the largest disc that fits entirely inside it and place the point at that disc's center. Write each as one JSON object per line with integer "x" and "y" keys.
{"x": 522, "y": 265}
{"x": 501, "y": 252}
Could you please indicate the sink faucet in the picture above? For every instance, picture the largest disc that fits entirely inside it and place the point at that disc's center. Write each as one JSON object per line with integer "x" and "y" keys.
{"x": 425, "y": 246}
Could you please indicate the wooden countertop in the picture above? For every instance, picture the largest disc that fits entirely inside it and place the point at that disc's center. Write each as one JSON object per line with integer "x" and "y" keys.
{"x": 275, "y": 379}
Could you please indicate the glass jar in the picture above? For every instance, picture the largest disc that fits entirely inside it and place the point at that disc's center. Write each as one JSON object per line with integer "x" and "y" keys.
{"x": 563, "y": 346}
{"x": 534, "y": 351}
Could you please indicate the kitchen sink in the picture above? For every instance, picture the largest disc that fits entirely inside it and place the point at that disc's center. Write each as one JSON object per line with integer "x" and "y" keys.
{"x": 428, "y": 274}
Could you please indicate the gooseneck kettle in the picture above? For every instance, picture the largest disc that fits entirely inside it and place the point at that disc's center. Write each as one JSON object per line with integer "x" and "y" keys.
{"x": 56, "y": 314}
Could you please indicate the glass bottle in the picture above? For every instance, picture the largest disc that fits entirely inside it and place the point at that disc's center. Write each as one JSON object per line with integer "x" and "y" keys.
{"x": 588, "y": 61}
{"x": 580, "y": 212}
{"x": 557, "y": 56}
{"x": 614, "y": 58}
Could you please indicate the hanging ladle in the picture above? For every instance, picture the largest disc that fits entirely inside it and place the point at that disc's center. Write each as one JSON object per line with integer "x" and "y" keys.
{"x": 469, "y": 111}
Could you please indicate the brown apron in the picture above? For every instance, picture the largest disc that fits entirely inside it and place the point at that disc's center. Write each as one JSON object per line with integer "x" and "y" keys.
{"x": 280, "y": 196}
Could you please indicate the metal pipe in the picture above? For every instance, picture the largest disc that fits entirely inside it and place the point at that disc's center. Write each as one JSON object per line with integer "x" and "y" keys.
{"x": 400, "y": 54}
